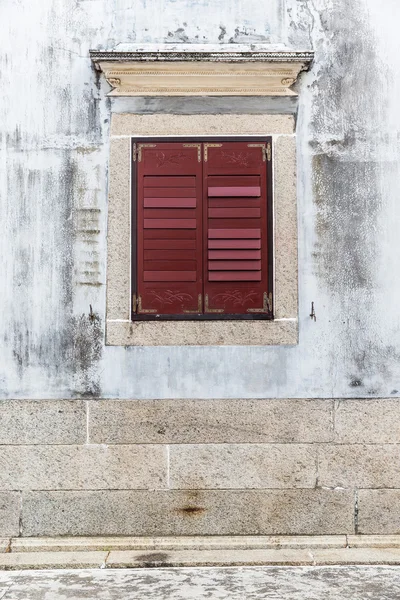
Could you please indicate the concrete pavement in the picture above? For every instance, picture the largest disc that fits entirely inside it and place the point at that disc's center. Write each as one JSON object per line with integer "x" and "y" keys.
{"x": 211, "y": 583}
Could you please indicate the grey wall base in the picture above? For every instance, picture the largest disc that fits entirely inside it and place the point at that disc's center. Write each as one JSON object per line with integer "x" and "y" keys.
{"x": 199, "y": 467}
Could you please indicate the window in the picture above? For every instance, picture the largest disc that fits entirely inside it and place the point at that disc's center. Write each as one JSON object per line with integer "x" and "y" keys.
{"x": 127, "y": 328}
{"x": 202, "y": 229}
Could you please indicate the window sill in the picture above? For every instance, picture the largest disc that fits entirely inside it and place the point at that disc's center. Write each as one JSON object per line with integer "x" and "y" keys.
{"x": 202, "y": 333}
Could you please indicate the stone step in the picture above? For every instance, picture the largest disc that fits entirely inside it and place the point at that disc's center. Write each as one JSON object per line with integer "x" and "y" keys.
{"x": 129, "y": 559}
{"x": 77, "y": 544}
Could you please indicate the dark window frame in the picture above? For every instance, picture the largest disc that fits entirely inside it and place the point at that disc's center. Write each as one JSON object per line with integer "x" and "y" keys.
{"x": 270, "y": 232}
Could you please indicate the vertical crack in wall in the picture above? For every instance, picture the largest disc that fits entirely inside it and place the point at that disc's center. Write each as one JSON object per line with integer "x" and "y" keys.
{"x": 335, "y": 408}
{"x": 316, "y": 465}
{"x": 20, "y": 521}
{"x": 356, "y": 508}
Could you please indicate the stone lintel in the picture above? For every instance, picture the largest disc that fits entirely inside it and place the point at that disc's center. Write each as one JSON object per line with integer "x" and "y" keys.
{"x": 187, "y": 71}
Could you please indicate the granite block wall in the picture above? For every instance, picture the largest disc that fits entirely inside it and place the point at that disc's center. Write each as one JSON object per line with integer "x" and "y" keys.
{"x": 196, "y": 467}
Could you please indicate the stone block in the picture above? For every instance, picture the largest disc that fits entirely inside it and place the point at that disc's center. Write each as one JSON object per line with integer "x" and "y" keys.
{"x": 208, "y": 558}
{"x": 359, "y": 466}
{"x": 83, "y": 467}
{"x": 206, "y": 512}
{"x": 42, "y": 422}
{"x": 10, "y": 510}
{"x": 4, "y": 544}
{"x": 308, "y": 541}
{"x": 202, "y": 333}
{"x": 245, "y": 542}
{"x": 52, "y": 560}
{"x": 210, "y": 421}
{"x": 367, "y": 421}
{"x": 119, "y": 231}
{"x": 357, "y": 556}
{"x": 201, "y": 105}
{"x": 200, "y": 125}
{"x": 285, "y": 228}
{"x": 379, "y": 512}
{"x": 373, "y": 541}
{"x": 241, "y": 466}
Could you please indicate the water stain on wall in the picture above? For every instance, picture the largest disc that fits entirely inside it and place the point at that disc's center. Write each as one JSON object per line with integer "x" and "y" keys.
{"x": 87, "y": 347}
{"x": 347, "y": 175}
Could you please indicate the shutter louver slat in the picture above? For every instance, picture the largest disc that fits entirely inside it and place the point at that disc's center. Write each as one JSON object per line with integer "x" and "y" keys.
{"x": 170, "y": 202}
{"x": 166, "y": 245}
{"x": 234, "y": 233}
{"x": 170, "y": 223}
{"x": 237, "y": 202}
{"x": 225, "y": 243}
{"x": 169, "y": 234}
{"x": 233, "y": 212}
{"x": 169, "y": 276}
{"x": 234, "y": 265}
{"x": 234, "y": 276}
{"x": 169, "y": 192}
{"x": 169, "y": 254}
{"x": 240, "y": 191}
{"x": 238, "y": 254}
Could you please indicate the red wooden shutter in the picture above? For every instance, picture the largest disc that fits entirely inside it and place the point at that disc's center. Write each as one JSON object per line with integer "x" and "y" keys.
{"x": 169, "y": 228}
{"x": 235, "y": 238}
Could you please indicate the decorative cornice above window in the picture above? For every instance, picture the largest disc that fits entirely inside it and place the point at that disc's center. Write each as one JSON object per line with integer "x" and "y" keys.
{"x": 189, "y": 70}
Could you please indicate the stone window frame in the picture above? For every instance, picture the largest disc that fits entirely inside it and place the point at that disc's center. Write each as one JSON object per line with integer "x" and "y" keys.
{"x": 283, "y": 329}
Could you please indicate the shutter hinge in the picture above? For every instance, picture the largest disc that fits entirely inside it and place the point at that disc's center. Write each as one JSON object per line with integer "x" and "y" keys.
{"x": 207, "y": 146}
{"x": 207, "y": 309}
{"x": 266, "y": 150}
{"x": 137, "y": 150}
{"x": 263, "y": 149}
{"x": 199, "y": 309}
{"x": 198, "y": 146}
{"x": 140, "y": 309}
{"x": 267, "y": 305}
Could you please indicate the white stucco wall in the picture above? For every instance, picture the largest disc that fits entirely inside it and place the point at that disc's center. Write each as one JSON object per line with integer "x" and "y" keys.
{"x": 54, "y": 122}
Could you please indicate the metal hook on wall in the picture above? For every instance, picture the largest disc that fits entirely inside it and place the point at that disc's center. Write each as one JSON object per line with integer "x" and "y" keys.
{"x": 312, "y": 313}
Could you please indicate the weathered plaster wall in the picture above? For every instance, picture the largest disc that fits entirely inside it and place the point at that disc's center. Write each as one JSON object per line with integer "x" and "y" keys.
{"x": 54, "y": 125}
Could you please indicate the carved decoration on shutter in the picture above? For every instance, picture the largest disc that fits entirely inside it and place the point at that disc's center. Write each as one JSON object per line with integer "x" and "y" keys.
{"x": 237, "y": 297}
{"x": 241, "y": 159}
{"x": 168, "y": 159}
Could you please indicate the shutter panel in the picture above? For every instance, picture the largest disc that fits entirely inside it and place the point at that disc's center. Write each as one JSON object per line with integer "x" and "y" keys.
{"x": 235, "y": 236}
{"x": 169, "y": 229}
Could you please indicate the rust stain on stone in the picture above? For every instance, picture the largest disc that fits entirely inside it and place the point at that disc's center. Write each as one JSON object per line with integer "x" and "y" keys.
{"x": 192, "y": 510}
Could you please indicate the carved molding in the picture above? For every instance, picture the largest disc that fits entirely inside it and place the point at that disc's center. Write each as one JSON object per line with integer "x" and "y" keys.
{"x": 201, "y": 73}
